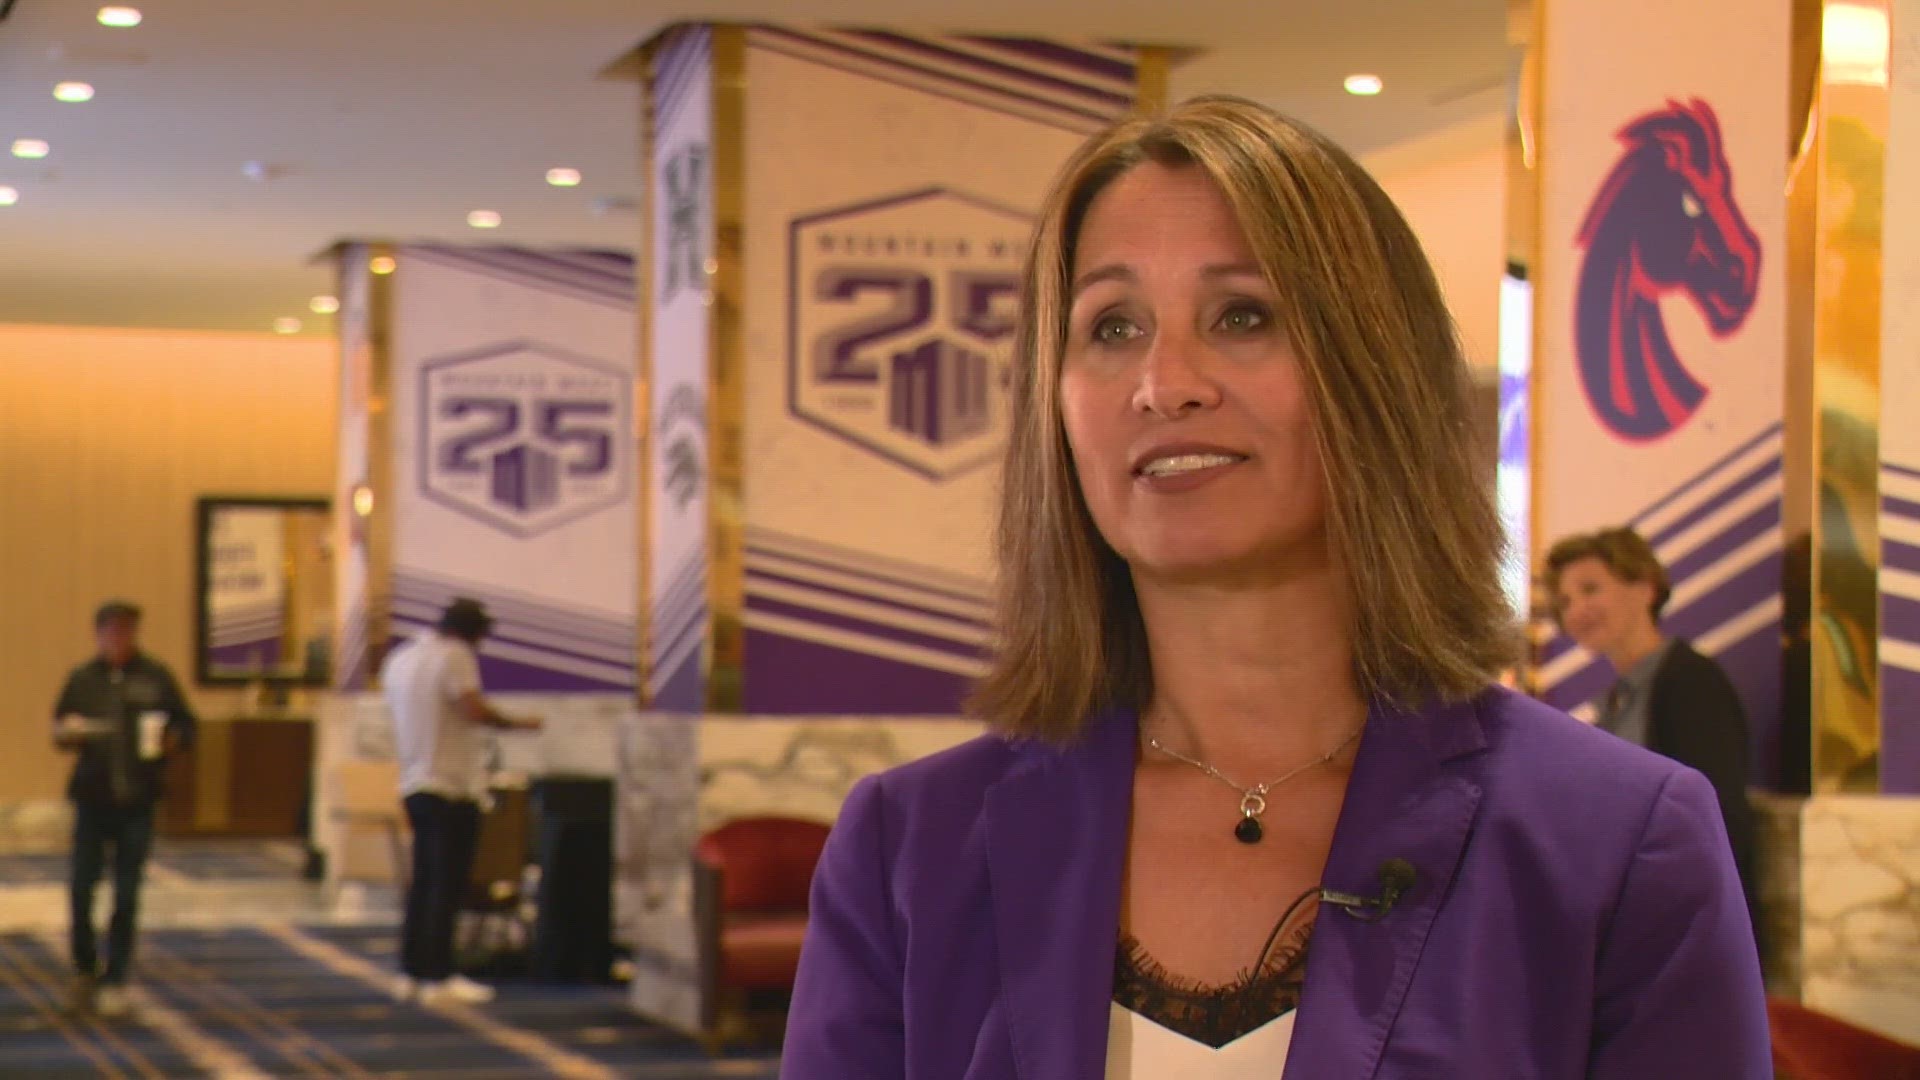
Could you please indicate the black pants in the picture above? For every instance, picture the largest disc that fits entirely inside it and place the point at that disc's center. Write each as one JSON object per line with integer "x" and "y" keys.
{"x": 129, "y": 830}
{"x": 445, "y": 834}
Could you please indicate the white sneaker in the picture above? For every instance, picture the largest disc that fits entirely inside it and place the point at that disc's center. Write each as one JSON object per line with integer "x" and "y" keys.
{"x": 111, "y": 1002}
{"x": 403, "y": 988}
{"x": 459, "y": 989}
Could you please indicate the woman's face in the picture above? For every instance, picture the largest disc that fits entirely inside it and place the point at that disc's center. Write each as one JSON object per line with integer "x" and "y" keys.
{"x": 1182, "y": 397}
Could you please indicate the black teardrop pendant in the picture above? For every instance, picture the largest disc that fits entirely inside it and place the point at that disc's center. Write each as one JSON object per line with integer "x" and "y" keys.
{"x": 1248, "y": 831}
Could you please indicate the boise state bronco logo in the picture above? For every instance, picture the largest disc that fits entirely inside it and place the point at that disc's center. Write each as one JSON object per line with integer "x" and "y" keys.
{"x": 1664, "y": 221}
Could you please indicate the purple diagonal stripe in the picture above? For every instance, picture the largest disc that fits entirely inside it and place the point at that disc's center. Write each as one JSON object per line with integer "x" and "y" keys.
{"x": 621, "y": 280}
{"x": 1899, "y": 732}
{"x": 613, "y": 648}
{"x": 1899, "y": 508}
{"x": 508, "y": 635}
{"x": 1580, "y": 687}
{"x": 675, "y": 638}
{"x": 1732, "y": 597}
{"x": 959, "y": 622}
{"x": 1706, "y": 474}
{"x": 861, "y": 626}
{"x": 1734, "y": 491}
{"x": 789, "y": 676}
{"x": 1899, "y": 619}
{"x": 486, "y": 264}
{"x": 1903, "y": 470}
{"x": 875, "y": 576}
{"x": 687, "y": 589}
{"x": 994, "y": 68}
{"x": 682, "y": 689}
{"x": 1753, "y": 665}
{"x": 1897, "y": 555}
{"x": 1755, "y": 525}
{"x": 510, "y": 606}
{"x": 1556, "y": 647}
{"x": 1065, "y": 56}
{"x": 500, "y": 675}
{"x": 902, "y": 64}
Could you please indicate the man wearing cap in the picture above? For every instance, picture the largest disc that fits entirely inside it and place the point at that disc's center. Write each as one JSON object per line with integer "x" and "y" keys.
{"x": 122, "y": 714}
{"x": 440, "y": 722}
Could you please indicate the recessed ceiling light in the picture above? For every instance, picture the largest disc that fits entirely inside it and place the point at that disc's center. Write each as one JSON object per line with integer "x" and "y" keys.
{"x": 31, "y": 148}
{"x": 1364, "y": 85}
{"x": 484, "y": 219}
{"x": 119, "y": 16}
{"x": 563, "y": 177}
{"x": 73, "y": 91}
{"x": 287, "y": 325}
{"x": 324, "y": 305}
{"x": 8, "y": 196}
{"x": 381, "y": 264}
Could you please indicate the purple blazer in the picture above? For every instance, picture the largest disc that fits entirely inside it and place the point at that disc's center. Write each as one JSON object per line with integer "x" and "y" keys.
{"x": 1576, "y": 914}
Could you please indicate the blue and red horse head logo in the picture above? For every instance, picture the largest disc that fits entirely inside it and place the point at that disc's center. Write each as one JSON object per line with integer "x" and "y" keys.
{"x": 1665, "y": 220}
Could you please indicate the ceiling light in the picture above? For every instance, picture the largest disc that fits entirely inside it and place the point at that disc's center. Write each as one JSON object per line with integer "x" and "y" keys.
{"x": 1364, "y": 85}
{"x": 381, "y": 264}
{"x": 563, "y": 177}
{"x": 324, "y": 305}
{"x": 31, "y": 148}
{"x": 288, "y": 325}
{"x": 73, "y": 91}
{"x": 484, "y": 219}
{"x": 119, "y": 16}
{"x": 8, "y": 196}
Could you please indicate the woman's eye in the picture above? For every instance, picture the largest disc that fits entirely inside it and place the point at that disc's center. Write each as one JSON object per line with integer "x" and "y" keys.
{"x": 1243, "y": 318}
{"x": 1113, "y": 329}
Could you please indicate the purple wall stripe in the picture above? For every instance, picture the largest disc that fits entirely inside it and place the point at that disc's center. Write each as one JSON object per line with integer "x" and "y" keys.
{"x": 1729, "y": 600}
{"x": 993, "y": 100}
{"x": 1902, "y": 470}
{"x": 1096, "y": 96}
{"x": 506, "y": 636}
{"x": 788, "y": 676}
{"x": 1895, "y": 555}
{"x": 676, "y": 85}
{"x": 1899, "y": 619}
{"x": 1030, "y": 96}
{"x": 1899, "y": 508}
{"x": 1707, "y": 474}
{"x": 1753, "y": 664}
{"x": 499, "y": 674}
{"x": 1899, "y": 733}
{"x": 1093, "y": 63}
{"x": 526, "y": 277}
{"x": 897, "y": 581}
{"x": 616, "y": 647}
{"x": 686, "y": 592}
{"x": 613, "y": 279}
{"x": 511, "y": 606}
{"x": 683, "y": 689}
{"x": 1744, "y": 531}
{"x": 1739, "y": 487}
{"x": 861, "y": 626}
{"x": 674, "y": 639}
{"x": 958, "y": 622}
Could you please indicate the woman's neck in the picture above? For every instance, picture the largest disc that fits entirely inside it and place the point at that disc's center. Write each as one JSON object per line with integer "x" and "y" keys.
{"x": 1251, "y": 678}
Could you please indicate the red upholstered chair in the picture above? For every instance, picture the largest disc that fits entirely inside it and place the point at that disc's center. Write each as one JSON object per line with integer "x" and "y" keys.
{"x": 1809, "y": 1045}
{"x": 751, "y": 879}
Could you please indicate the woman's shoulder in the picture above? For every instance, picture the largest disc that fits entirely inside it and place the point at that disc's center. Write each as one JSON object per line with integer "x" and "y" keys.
{"x": 957, "y": 776}
{"x": 1558, "y": 772}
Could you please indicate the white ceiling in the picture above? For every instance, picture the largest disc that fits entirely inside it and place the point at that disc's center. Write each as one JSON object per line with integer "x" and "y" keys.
{"x": 393, "y": 118}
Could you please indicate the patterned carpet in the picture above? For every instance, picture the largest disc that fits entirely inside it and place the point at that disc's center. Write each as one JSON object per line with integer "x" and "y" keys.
{"x": 175, "y": 860}
{"x": 284, "y": 1001}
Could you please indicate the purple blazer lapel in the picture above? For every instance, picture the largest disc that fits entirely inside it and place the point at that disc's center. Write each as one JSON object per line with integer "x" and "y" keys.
{"x": 1056, "y": 845}
{"x": 1403, "y": 801}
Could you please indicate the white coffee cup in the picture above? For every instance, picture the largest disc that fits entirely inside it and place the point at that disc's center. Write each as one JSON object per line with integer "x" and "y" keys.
{"x": 153, "y": 727}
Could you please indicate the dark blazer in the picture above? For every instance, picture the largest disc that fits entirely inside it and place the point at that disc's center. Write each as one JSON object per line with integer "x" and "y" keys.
{"x": 94, "y": 690}
{"x": 1694, "y": 716}
{"x": 1574, "y": 916}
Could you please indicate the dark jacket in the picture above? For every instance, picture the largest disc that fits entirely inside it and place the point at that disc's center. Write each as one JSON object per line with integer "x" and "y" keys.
{"x": 98, "y": 692}
{"x": 1694, "y": 716}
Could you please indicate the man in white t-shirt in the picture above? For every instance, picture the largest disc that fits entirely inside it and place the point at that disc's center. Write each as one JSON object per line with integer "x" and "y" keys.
{"x": 432, "y": 687}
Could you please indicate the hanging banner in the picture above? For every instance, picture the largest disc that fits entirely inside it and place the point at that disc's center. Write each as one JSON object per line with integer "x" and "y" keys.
{"x": 1662, "y": 315}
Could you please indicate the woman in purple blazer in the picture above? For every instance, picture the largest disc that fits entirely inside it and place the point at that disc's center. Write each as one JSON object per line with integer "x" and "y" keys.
{"x": 1253, "y": 806}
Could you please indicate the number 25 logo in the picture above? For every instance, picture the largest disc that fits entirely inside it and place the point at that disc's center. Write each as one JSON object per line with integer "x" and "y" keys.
{"x": 582, "y": 426}
{"x": 981, "y": 305}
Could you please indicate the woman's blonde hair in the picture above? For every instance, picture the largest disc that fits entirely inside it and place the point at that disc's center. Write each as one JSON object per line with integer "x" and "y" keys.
{"x": 1409, "y": 517}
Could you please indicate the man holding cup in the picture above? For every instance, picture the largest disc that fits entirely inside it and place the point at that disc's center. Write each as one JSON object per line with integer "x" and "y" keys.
{"x": 122, "y": 714}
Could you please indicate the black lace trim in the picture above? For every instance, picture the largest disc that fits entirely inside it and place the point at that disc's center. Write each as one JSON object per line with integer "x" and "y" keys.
{"x": 1217, "y": 1015}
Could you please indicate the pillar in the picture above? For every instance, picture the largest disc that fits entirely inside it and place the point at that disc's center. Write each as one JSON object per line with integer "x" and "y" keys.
{"x": 836, "y": 224}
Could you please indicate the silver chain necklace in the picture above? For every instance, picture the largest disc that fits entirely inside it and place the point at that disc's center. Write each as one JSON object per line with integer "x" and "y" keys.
{"x": 1253, "y": 800}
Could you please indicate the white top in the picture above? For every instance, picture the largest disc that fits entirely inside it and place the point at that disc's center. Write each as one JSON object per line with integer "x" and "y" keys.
{"x": 440, "y": 751}
{"x": 1139, "y": 1049}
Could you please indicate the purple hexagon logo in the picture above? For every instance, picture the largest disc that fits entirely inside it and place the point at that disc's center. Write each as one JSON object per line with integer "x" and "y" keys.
{"x": 900, "y": 311}
{"x": 524, "y": 437}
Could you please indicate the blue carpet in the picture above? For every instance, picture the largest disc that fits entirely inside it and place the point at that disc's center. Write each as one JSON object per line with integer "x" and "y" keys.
{"x": 196, "y": 860}
{"x": 251, "y": 995}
